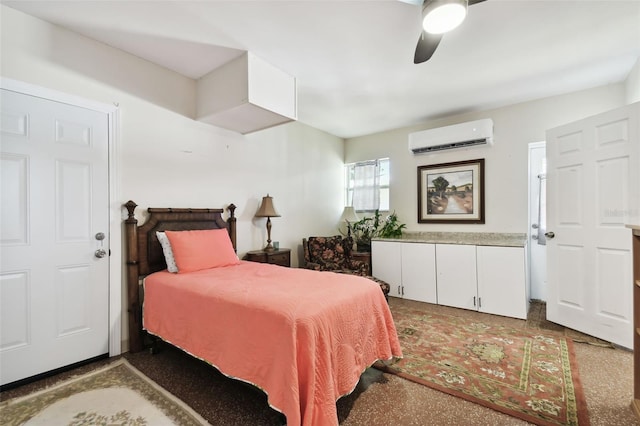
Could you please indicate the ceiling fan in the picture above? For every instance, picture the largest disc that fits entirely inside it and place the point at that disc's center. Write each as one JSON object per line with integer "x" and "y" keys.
{"x": 438, "y": 17}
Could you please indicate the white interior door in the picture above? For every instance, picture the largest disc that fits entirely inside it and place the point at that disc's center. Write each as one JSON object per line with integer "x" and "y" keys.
{"x": 54, "y": 290}
{"x": 593, "y": 188}
{"x": 537, "y": 221}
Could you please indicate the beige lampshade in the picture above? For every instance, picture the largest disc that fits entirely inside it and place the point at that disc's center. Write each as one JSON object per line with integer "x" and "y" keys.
{"x": 349, "y": 215}
{"x": 266, "y": 208}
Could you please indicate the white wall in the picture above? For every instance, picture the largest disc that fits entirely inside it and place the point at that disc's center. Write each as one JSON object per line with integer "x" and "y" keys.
{"x": 170, "y": 160}
{"x": 505, "y": 162}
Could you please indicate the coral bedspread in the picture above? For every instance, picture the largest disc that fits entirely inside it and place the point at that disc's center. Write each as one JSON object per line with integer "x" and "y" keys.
{"x": 302, "y": 336}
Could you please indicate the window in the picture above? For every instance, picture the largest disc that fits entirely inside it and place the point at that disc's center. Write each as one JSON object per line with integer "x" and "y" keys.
{"x": 367, "y": 185}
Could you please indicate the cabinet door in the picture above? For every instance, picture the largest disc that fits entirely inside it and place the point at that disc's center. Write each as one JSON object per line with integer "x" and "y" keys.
{"x": 502, "y": 285}
{"x": 386, "y": 264}
{"x": 419, "y": 272}
{"x": 456, "y": 275}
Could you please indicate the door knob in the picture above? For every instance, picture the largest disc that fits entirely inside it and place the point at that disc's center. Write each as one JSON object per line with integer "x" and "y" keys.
{"x": 549, "y": 235}
{"x": 100, "y": 253}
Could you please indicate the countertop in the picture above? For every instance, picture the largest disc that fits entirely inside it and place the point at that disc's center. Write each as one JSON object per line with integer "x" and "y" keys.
{"x": 468, "y": 238}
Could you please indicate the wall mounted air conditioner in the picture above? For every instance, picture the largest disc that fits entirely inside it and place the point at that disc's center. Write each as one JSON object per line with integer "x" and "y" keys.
{"x": 463, "y": 135}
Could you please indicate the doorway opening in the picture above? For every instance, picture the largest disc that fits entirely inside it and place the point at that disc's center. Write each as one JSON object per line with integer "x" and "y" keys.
{"x": 537, "y": 221}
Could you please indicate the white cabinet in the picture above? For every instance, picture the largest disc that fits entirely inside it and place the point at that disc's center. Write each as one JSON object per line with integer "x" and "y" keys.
{"x": 502, "y": 284}
{"x": 489, "y": 279}
{"x": 409, "y": 268}
{"x": 386, "y": 264}
{"x": 457, "y": 282}
{"x": 484, "y": 278}
{"x": 419, "y": 272}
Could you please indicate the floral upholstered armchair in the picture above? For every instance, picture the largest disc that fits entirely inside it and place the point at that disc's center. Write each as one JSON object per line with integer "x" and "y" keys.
{"x": 334, "y": 254}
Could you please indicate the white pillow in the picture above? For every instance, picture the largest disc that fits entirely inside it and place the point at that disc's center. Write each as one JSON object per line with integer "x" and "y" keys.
{"x": 168, "y": 252}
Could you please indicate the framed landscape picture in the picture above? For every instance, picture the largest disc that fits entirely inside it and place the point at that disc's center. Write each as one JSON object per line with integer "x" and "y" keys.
{"x": 451, "y": 192}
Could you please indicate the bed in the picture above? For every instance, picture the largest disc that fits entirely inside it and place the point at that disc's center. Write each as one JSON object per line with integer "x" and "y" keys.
{"x": 304, "y": 337}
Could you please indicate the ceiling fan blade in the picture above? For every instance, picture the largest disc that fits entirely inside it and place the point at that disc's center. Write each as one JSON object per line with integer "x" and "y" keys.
{"x": 427, "y": 44}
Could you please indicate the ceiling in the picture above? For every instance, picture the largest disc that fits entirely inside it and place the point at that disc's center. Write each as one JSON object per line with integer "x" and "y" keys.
{"x": 353, "y": 60}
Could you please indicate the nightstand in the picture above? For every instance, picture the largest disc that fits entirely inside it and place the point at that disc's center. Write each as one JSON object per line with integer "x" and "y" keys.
{"x": 362, "y": 256}
{"x": 280, "y": 257}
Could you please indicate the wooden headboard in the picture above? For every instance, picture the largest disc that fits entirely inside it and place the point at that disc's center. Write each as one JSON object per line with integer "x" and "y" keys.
{"x": 144, "y": 252}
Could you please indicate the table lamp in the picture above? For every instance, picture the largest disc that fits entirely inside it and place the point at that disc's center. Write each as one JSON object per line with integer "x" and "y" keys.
{"x": 267, "y": 210}
{"x": 349, "y": 216}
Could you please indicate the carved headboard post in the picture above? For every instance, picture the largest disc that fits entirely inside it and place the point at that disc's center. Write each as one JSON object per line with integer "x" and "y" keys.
{"x": 232, "y": 224}
{"x": 135, "y": 313}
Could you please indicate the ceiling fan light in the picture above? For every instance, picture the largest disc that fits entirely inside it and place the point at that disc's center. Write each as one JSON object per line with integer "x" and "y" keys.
{"x": 441, "y": 16}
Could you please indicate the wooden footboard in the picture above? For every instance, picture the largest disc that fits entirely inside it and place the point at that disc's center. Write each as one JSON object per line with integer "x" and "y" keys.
{"x": 144, "y": 252}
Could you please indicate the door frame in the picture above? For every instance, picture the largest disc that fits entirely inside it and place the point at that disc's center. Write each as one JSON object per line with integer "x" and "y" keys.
{"x": 115, "y": 209}
{"x": 531, "y": 146}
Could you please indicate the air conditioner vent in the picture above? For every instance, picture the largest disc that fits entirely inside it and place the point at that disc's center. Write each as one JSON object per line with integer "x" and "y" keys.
{"x": 449, "y": 146}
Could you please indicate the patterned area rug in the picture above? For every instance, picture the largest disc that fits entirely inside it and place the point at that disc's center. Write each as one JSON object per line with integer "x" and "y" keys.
{"x": 117, "y": 394}
{"x": 520, "y": 372}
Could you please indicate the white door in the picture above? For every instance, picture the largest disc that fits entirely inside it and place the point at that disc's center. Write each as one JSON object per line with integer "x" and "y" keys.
{"x": 592, "y": 191}
{"x": 419, "y": 272}
{"x": 54, "y": 290}
{"x": 537, "y": 221}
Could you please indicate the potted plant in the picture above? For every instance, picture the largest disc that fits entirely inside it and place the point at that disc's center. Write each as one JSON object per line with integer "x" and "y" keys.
{"x": 373, "y": 226}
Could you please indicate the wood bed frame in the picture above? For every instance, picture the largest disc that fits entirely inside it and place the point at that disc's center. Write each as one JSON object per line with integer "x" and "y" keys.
{"x": 144, "y": 252}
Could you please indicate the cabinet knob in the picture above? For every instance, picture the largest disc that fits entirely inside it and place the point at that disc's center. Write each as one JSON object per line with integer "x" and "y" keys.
{"x": 549, "y": 234}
